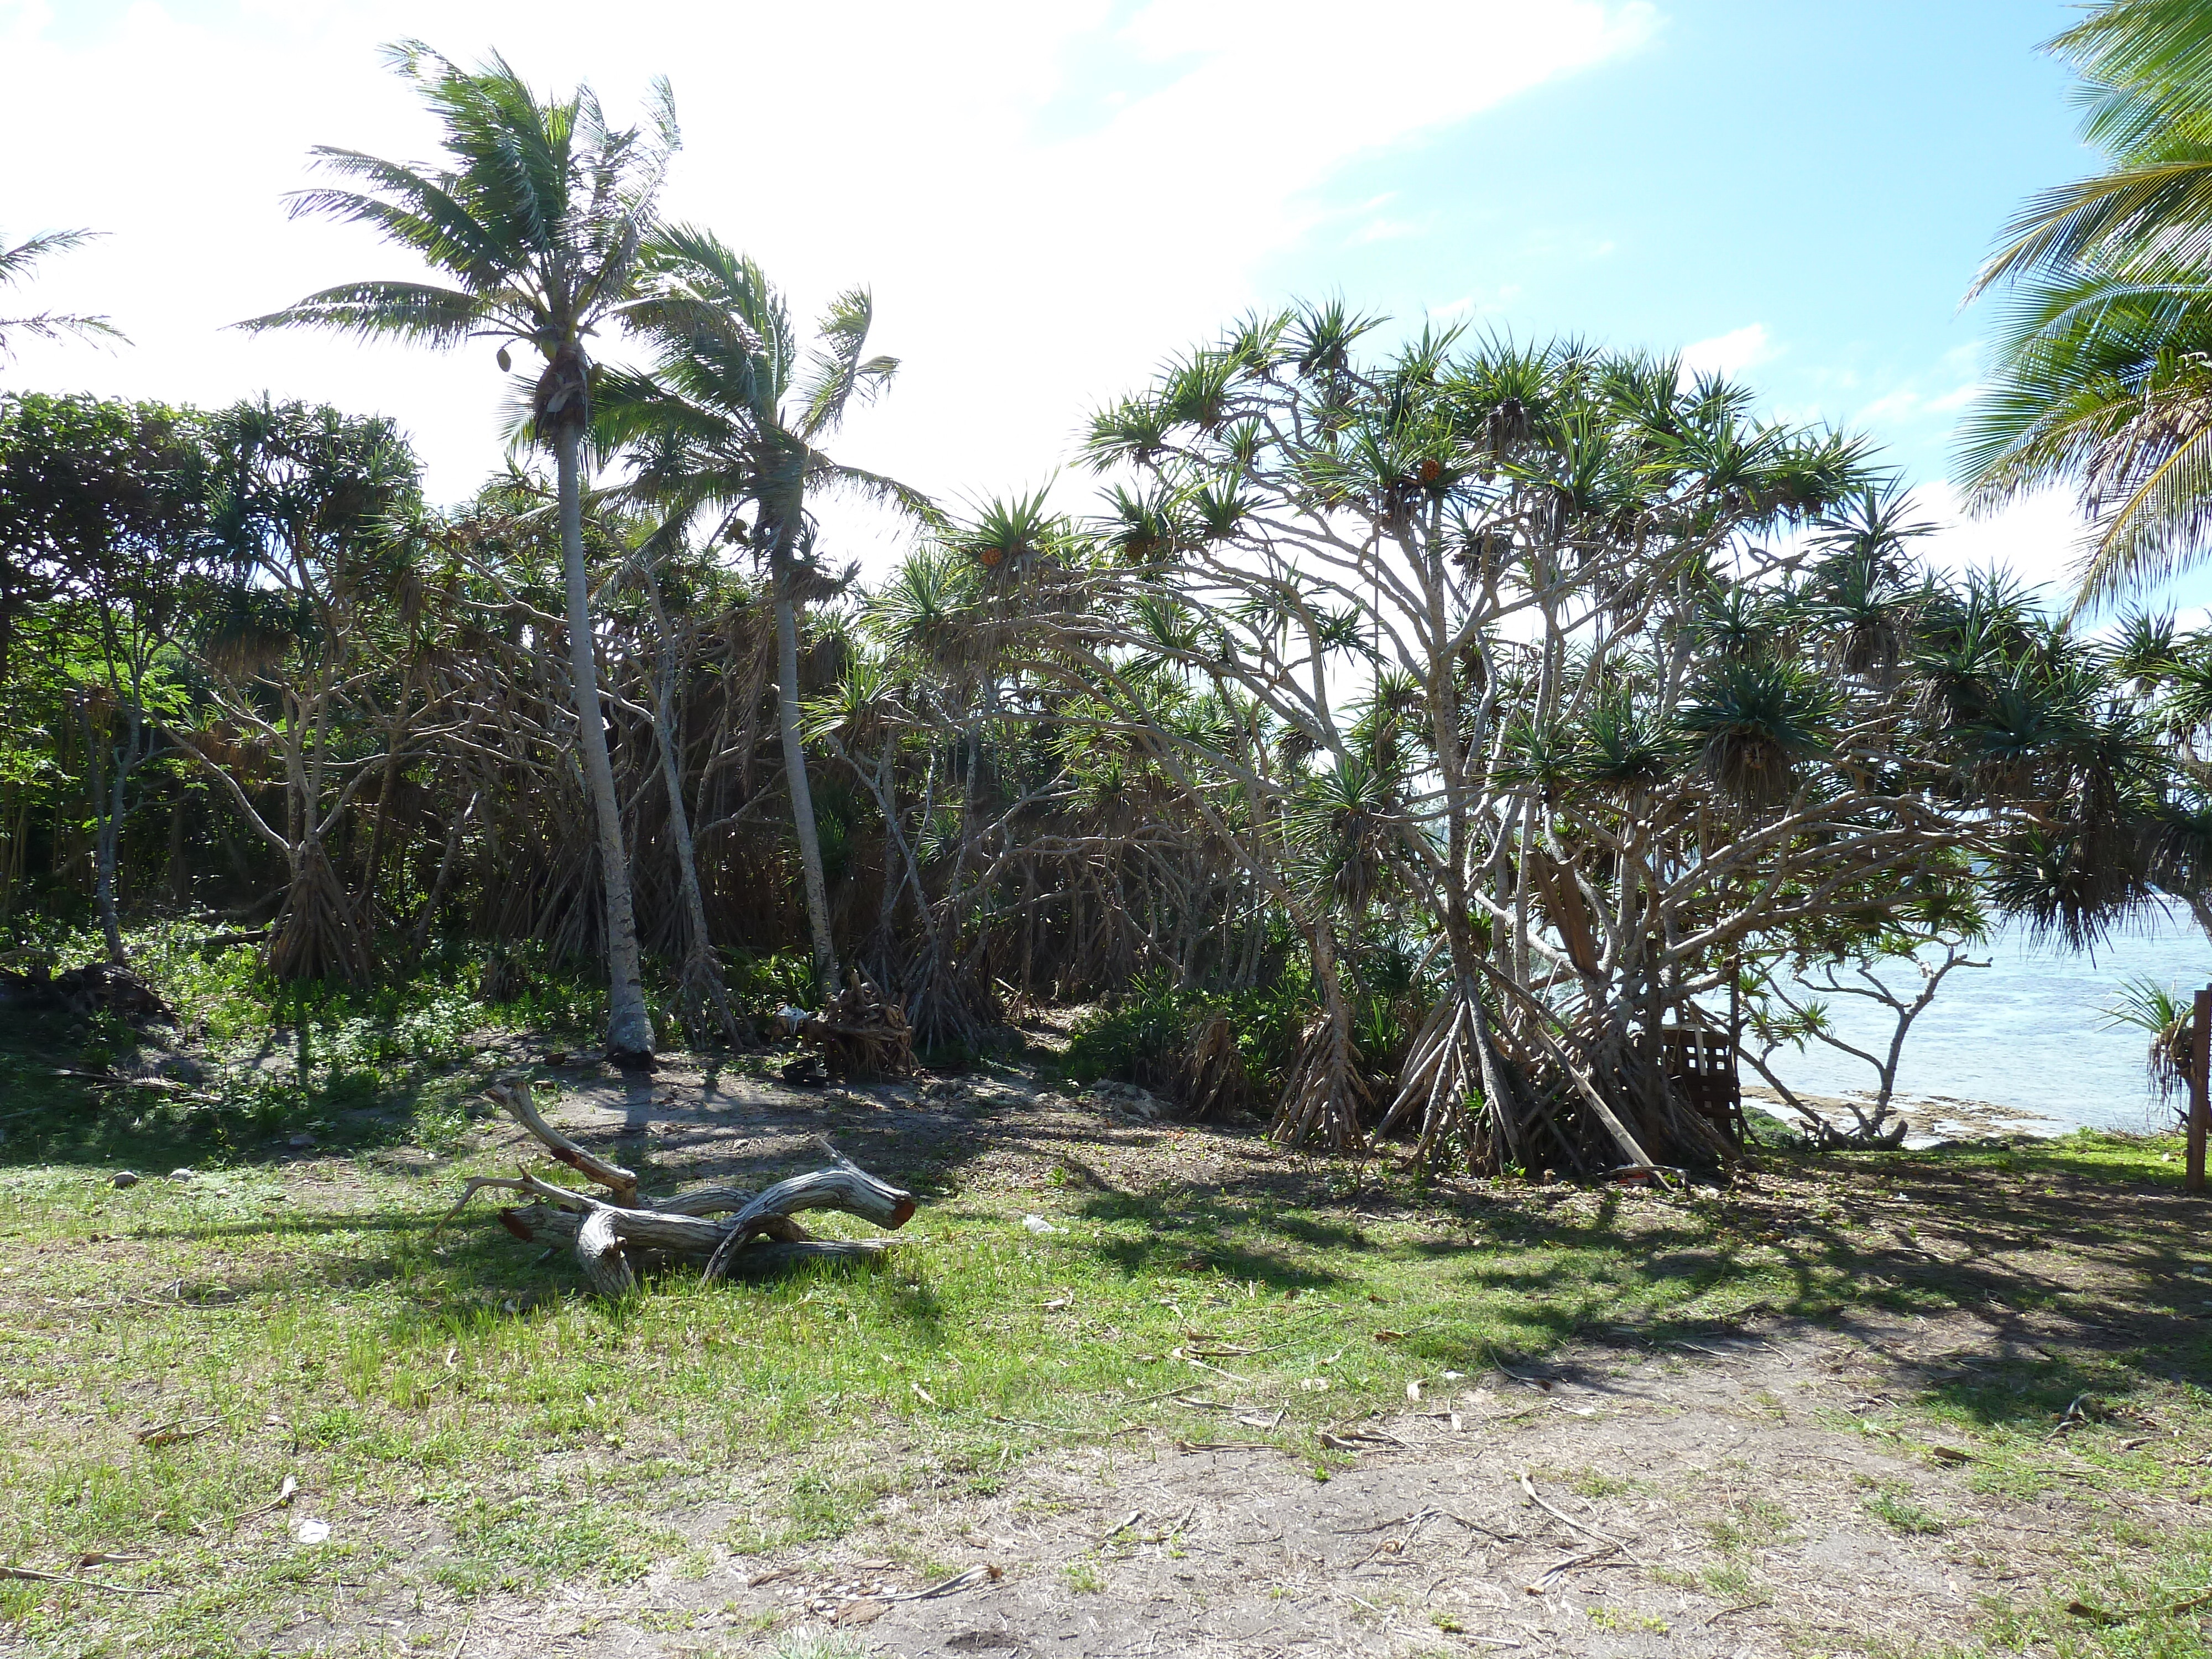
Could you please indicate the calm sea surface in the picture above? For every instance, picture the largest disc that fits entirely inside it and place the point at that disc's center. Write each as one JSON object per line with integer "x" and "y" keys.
{"x": 2024, "y": 1032}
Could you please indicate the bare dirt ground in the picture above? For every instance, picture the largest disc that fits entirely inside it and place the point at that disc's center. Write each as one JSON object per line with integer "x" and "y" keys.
{"x": 1737, "y": 1491}
{"x": 1728, "y": 1517}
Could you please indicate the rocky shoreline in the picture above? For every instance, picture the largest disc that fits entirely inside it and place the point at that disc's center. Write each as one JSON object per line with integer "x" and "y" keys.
{"x": 1934, "y": 1119}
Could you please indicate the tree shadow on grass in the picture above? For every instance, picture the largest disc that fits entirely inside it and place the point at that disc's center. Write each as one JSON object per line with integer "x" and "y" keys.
{"x": 1218, "y": 1201}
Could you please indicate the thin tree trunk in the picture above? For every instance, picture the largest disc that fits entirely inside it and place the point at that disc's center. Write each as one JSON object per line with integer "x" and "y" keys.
{"x": 11, "y": 820}
{"x": 428, "y": 916}
{"x": 802, "y": 797}
{"x": 701, "y": 971}
{"x": 180, "y": 872}
{"x": 630, "y": 1028}
{"x": 106, "y": 816}
{"x": 370, "y": 903}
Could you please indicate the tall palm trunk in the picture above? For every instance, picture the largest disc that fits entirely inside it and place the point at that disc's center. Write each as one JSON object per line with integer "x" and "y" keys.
{"x": 802, "y": 797}
{"x": 630, "y": 1028}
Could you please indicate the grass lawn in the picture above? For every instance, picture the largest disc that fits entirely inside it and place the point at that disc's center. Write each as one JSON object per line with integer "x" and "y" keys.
{"x": 468, "y": 1423}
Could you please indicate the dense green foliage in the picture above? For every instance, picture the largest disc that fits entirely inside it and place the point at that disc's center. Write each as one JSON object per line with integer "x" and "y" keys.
{"x": 1419, "y": 735}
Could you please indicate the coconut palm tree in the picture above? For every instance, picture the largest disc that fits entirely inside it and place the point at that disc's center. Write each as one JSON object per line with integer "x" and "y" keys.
{"x": 2099, "y": 378}
{"x": 534, "y": 221}
{"x": 726, "y": 428}
{"x": 16, "y": 264}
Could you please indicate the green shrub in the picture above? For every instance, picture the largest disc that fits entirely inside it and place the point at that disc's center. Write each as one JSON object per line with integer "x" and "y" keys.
{"x": 1145, "y": 1037}
{"x": 1140, "y": 1040}
{"x": 763, "y": 984}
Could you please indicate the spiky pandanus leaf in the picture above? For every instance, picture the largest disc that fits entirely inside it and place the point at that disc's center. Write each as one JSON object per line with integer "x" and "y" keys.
{"x": 1198, "y": 392}
{"x": 1754, "y": 720}
{"x": 2145, "y": 647}
{"x": 1538, "y": 756}
{"x": 2065, "y": 887}
{"x": 2168, "y": 1015}
{"x": 1624, "y": 754}
{"x": 1340, "y": 825}
{"x": 2026, "y": 724}
{"x": 1320, "y": 338}
{"x": 1144, "y": 526}
{"x": 1134, "y": 432}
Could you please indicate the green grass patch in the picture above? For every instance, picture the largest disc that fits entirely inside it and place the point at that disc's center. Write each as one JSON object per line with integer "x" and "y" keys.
{"x": 453, "y": 1405}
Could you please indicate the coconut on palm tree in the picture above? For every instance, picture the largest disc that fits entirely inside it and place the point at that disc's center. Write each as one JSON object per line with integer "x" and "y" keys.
{"x": 727, "y": 428}
{"x": 533, "y": 222}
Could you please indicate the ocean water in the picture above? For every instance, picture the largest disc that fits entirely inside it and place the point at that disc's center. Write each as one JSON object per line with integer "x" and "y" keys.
{"x": 2024, "y": 1033}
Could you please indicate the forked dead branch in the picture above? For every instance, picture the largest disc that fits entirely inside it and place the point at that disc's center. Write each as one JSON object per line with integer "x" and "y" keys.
{"x": 624, "y": 1234}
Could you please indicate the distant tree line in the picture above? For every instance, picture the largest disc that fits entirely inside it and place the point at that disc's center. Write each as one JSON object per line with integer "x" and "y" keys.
{"x": 1422, "y": 739}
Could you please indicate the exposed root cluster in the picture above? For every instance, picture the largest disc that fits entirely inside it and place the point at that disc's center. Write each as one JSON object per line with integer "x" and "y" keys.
{"x": 1323, "y": 1102}
{"x": 862, "y": 1033}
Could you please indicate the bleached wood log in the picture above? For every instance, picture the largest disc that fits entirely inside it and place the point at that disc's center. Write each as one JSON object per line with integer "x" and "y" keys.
{"x": 599, "y": 1251}
{"x": 514, "y": 1093}
{"x": 651, "y": 1230}
{"x": 851, "y": 1190}
{"x": 704, "y": 1201}
{"x": 545, "y": 1224}
{"x": 764, "y": 1261}
{"x": 615, "y": 1242}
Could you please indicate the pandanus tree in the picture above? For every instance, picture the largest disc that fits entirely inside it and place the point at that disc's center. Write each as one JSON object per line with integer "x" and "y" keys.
{"x": 102, "y": 518}
{"x": 16, "y": 264}
{"x": 295, "y": 644}
{"x": 1607, "y": 681}
{"x": 2098, "y": 381}
{"x": 726, "y": 429}
{"x": 532, "y": 225}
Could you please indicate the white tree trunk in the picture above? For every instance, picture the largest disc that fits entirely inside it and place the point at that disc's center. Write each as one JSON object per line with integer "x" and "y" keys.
{"x": 630, "y": 1028}
{"x": 702, "y": 976}
{"x": 802, "y": 797}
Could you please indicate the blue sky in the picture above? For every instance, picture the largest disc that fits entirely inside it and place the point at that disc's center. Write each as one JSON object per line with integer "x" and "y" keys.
{"x": 1048, "y": 200}
{"x": 1829, "y": 175}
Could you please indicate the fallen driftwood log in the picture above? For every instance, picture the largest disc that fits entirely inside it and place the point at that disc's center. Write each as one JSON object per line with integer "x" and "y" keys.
{"x": 723, "y": 1232}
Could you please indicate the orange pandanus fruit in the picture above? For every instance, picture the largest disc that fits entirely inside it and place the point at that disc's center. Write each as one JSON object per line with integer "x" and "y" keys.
{"x": 1431, "y": 469}
{"x": 992, "y": 557}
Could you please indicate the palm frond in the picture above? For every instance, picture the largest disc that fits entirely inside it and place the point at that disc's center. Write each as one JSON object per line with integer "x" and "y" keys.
{"x": 413, "y": 310}
{"x": 55, "y": 325}
{"x": 824, "y": 473}
{"x": 536, "y": 217}
{"x": 836, "y": 373}
{"x": 16, "y": 264}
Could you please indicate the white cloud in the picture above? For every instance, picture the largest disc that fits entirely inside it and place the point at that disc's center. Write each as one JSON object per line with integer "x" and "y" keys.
{"x": 1889, "y": 410}
{"x": 1731, "y": 353}
{"x": 2038, "y": 538}
{"x": 1047, "y": 200}
{"x": 1908, "y": 401}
